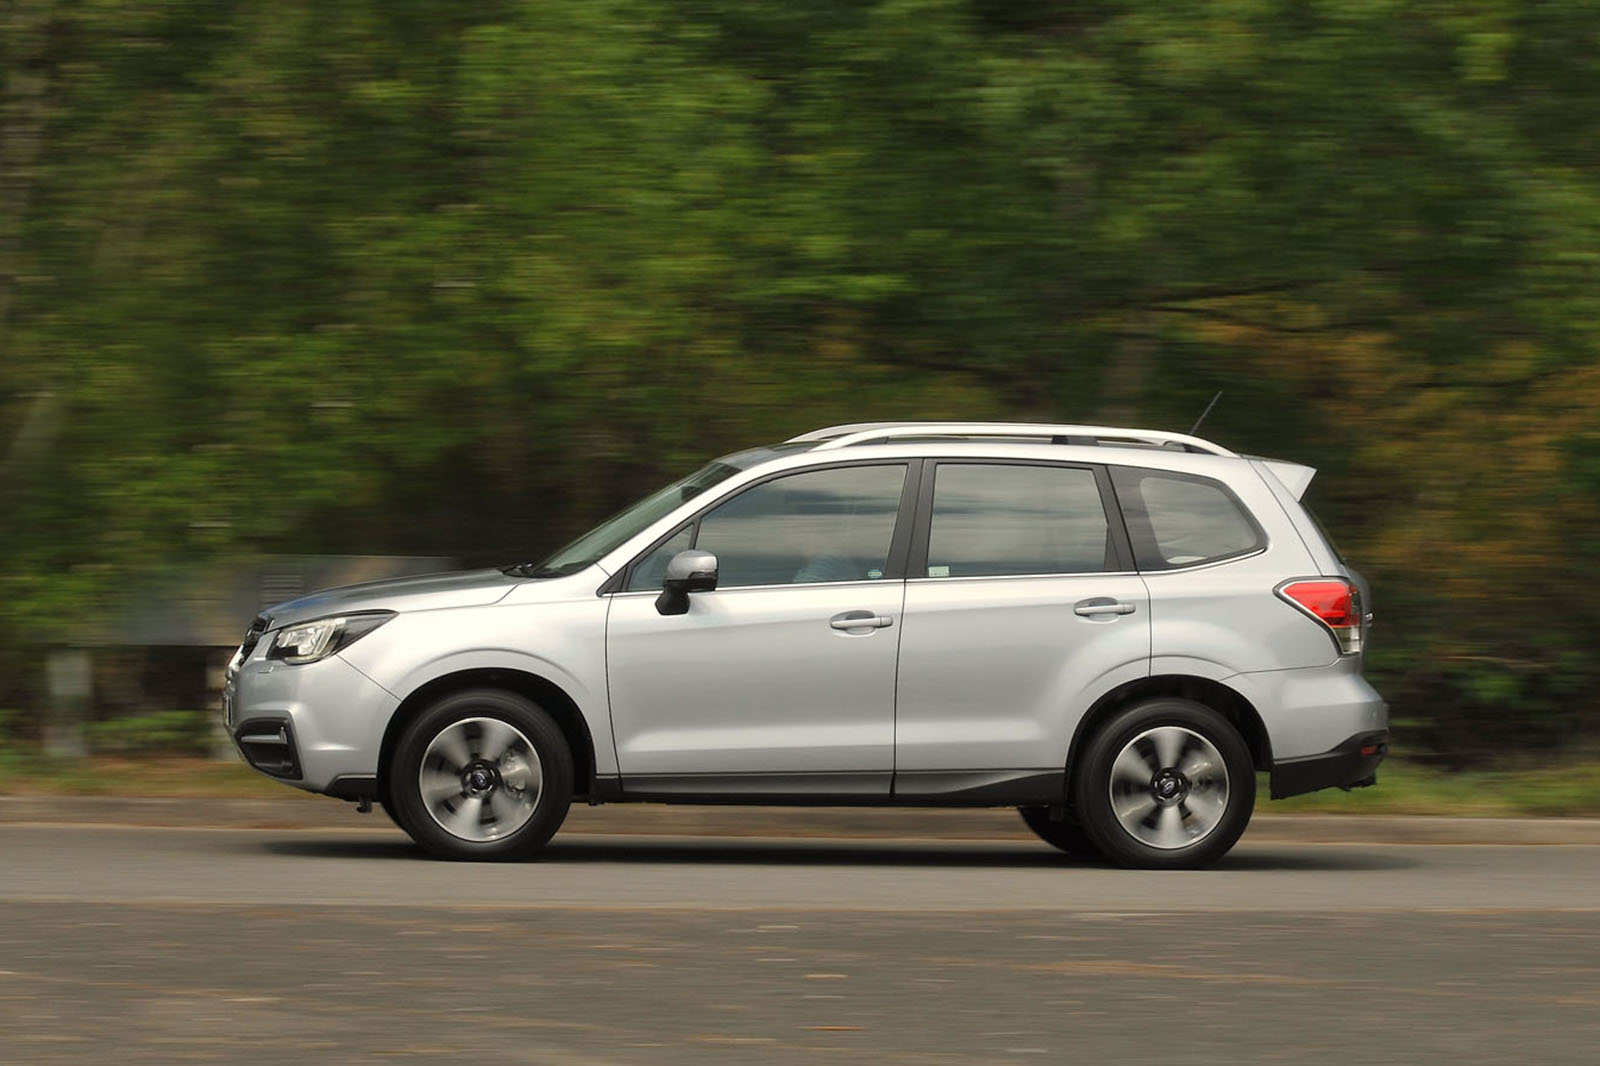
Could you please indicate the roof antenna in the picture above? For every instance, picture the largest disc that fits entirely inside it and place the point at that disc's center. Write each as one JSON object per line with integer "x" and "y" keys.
{"x": 1207, "y": 411}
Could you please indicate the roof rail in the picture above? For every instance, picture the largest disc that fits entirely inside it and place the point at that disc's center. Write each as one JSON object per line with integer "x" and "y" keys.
{"x": 874, "y": 432}
{"x": 830, "y": 432}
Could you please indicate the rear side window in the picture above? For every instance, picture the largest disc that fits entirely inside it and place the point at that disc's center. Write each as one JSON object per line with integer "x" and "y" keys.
{"x": 992, "y": 520}
{"x": 1177, "y": 520}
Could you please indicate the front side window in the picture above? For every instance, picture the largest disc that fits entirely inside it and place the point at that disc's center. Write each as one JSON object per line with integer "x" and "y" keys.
{"x": 997, "y": 520}
{"x": 1177, "y": 520}
{"x": 814, "y": 526}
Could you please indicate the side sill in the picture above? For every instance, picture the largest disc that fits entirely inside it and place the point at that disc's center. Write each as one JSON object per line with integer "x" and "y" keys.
{"x": 605, "y": 788}
{"x": 797, "y": 789}
{"x": 981, "y": 788}
{"x": 931, "y": 788}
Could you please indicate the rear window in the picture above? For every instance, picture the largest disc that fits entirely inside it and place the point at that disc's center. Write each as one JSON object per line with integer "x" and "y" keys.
{"x": 1178, "y": 520}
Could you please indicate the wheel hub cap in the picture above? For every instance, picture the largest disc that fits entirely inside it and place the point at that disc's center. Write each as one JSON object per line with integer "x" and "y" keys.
{"x": 1169, "y": 787}
{"x": 480, "y": 779}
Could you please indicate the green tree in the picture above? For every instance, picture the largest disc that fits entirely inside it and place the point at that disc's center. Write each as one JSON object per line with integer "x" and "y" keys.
{"x": 427, "y": 277}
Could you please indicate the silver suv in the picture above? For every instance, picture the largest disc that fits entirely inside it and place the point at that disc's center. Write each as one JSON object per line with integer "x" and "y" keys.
{"x": 1109, "y": 629}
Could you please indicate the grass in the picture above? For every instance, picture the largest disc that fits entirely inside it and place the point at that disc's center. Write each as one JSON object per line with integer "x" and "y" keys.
{"x": 1568, "y": 791}
{"x": 1403, "y": 787}
{"x": 113, "y": 775}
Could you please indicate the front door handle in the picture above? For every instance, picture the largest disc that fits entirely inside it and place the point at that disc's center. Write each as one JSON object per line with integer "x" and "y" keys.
{"x": 1101, "y": 605}
{"x": 860, "y": 620}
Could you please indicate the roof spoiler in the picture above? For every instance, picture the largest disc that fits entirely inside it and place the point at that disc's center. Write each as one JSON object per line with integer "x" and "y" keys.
{"x": 1293, "y": 476}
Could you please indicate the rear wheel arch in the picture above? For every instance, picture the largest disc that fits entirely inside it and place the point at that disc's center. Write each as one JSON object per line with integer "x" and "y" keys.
{"x": 1214, "y": 694}
{"x": 1166, "y": 783}
{"x": 550, "y": 697}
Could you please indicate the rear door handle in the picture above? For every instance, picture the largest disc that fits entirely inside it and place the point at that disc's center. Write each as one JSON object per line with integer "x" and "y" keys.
{"x": 1101, "y": 605}
{"x": 860, "y": 620}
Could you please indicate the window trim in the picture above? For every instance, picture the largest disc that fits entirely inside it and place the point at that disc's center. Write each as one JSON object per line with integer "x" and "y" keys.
{"x": 1145, "y": 529}
{"x": 899, "y": 541}
{"x": 1116, "y": 531}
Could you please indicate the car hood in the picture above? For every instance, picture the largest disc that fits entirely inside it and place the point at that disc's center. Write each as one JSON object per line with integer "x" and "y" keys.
{"x": 427, "y": 592}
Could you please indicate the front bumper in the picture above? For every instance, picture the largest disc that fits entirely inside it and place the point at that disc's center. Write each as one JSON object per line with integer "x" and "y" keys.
{"x": 313, "y": 726}
{"x": 1350, "y": 765}
{"x": 267, "y": 744}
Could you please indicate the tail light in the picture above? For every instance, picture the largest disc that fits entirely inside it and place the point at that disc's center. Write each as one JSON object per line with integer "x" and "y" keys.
{"x": 1334, "y": 602}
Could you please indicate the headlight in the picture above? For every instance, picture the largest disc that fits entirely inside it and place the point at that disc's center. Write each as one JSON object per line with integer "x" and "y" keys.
{"x": 306, "y": 642}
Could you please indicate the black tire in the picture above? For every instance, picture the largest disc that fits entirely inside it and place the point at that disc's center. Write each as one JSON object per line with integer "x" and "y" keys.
{"x": 1214, "y": 816}
{"x": 387, "y": 805}
{"x": 1063, "y": 834}
{"x": 471, "y": 717}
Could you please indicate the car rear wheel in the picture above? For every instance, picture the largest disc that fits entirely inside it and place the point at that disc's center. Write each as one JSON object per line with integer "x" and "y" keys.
{"x": 1061, "y": 833}
{"x": 1168, "y": 783}
{"x": 482, "y": 775}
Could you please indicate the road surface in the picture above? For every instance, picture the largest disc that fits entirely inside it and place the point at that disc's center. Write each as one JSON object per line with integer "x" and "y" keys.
{"x": 141, "y": 945}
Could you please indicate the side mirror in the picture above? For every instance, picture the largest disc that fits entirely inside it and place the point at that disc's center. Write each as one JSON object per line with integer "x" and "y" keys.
{"x": 689, "y": 571}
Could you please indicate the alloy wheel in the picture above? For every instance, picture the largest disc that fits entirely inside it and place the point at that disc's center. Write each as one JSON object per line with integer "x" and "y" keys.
{"x": 480, "y": 779}
{"x": 1169, "y": 787}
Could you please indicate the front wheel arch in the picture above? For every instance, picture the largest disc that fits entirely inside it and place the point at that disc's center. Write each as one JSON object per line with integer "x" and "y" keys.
{"x": 550, "y": 697}
{"x": 508, "y": 774}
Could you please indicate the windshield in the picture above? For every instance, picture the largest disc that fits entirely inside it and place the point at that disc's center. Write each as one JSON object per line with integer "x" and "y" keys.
{"x": 614, "y": 531}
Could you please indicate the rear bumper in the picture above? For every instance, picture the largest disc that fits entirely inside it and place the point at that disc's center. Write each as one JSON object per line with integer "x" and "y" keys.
{"x": 1353, "y": 762}
{"x": 1312, "y": 712}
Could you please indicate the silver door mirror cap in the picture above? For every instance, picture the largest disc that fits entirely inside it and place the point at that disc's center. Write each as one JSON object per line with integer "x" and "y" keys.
{"x": 689, "y": 571}
{"x": 695, "y": 571}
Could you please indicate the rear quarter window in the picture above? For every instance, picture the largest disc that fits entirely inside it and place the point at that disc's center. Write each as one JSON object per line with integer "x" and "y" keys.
{"x": 1177, "y": 520}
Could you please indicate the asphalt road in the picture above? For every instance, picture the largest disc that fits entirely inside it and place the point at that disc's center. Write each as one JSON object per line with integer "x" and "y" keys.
{"x": 312, "y": 946}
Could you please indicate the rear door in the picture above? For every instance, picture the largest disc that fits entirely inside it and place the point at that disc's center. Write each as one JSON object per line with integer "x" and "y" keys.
{"x": 1020, "y": 596}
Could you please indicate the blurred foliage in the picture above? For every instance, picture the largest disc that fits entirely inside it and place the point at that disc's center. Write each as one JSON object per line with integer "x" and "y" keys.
{"x": 25, "y": 771}
{"x": 154, "y": 733}
{"x": 415, "y": 276}
{"x": 1570, "y": 790}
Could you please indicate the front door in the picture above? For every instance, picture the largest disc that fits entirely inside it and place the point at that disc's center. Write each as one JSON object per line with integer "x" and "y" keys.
{"x": 782, "y": 679}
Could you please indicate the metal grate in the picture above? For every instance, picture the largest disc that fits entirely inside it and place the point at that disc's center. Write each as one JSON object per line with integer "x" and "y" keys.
{"x": 252, "y": 636}
{"x": 268, "y": 745}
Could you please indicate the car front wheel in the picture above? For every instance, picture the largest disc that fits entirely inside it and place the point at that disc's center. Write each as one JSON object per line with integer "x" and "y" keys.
{"x": 482, "y": 775}
{"x": 1168, "y": 783}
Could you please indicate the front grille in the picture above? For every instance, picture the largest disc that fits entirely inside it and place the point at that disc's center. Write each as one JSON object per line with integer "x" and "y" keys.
{"x": 268, "y": 745}
{"x": 252, "y": 636}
